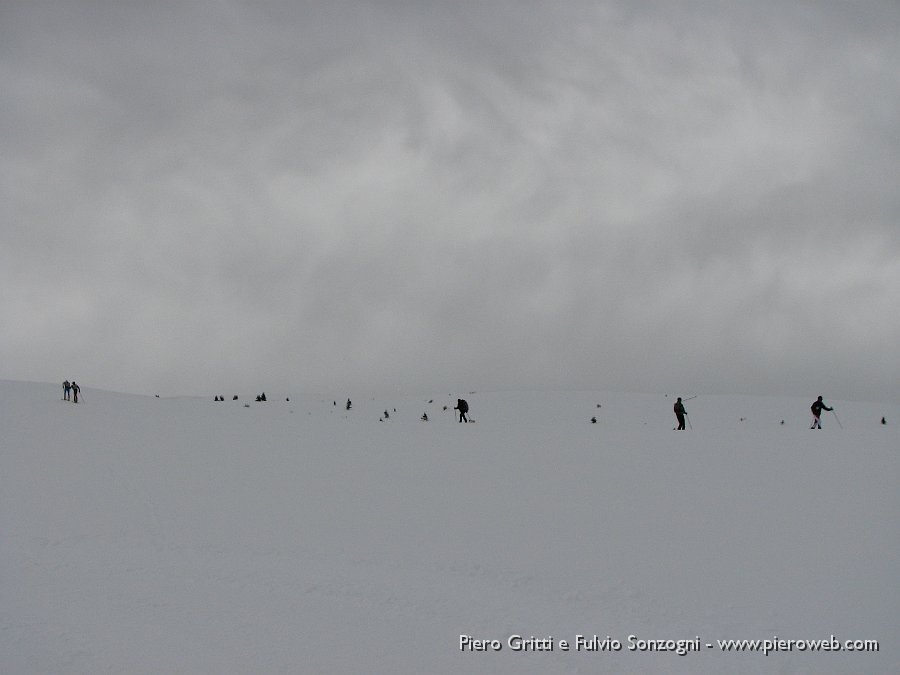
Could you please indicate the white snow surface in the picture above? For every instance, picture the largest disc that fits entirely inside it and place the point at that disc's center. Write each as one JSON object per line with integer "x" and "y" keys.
{"x": 182, "y": 535}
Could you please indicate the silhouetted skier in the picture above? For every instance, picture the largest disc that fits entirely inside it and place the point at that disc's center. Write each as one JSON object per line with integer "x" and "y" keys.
{"x": 816, "y": 408}
{"x": 66, "y": 389}
{"x": 680, "y": 412}
{"x": 463, "y": 408}
{"x": 75, "y": 390}
{"x": 349, "y": 405}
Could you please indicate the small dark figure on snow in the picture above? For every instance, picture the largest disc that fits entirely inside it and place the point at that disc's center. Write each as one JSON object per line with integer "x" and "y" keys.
{"x": 425, "y": 417}
{"x": 75, "y": 391}
{"x": 680, "y": 412}
{"x": 463, "y": 408}
{"x": 235, "y": 398}
{"x": 593, "y": 420}
{"x": 386, "y": 416}
{"x": 883, "y": 421}
{"x": 349, "y": 405}
{"x": 66, "y": 389}
{"x": 816, "y": 408}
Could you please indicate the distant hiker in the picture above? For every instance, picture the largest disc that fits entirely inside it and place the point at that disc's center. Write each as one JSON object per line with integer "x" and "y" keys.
{"x": 680, "y": 412}
{"x": 66, "y": 389}
{"x": 425, "y": 417}
{"x": 235, "y": 398}
{"x": 75, "y": 391}
{"x": 349, "y": 405}
{"x": 816, "y": 408}
{"x": 883, "y": 421}
{"x": 463, "y": 408}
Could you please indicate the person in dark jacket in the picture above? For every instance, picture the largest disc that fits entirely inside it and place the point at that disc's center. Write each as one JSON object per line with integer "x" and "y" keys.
{"x": 816, "y": 408}
{"x": 680, "y": 412}
{"x": 463, "y": 408}
{"x": 66, "y": 389}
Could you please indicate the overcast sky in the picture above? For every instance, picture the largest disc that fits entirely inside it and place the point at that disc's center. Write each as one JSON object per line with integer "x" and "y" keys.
{"x": 349, "y": 197}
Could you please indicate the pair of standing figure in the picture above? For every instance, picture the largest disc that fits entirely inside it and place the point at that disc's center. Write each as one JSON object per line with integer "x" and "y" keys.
{"x": 71, "y": 389}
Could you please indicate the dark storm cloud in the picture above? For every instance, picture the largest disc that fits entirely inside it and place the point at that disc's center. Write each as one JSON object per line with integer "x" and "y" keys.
{"x": 354, "y": 195}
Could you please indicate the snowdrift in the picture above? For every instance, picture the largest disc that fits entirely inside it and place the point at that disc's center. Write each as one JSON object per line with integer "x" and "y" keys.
{"x": 147, "y": 535}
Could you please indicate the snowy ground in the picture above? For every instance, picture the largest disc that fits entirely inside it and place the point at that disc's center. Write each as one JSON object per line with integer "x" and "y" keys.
{"x": 145, "y": 535}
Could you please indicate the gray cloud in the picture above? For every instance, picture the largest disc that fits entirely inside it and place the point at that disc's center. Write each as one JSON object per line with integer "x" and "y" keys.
{"x": 359, "y": 196}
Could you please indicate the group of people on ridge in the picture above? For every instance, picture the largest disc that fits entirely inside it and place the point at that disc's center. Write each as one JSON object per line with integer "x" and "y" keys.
{"x": 70, "y": 391}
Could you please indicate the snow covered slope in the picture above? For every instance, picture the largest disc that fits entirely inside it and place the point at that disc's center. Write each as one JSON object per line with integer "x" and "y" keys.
{"x": 145, "y": 535}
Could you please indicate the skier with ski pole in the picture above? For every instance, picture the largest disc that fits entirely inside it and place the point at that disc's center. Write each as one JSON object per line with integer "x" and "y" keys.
{"x": 816, "y": 408}
{"x": 463, "y": 408}
{"x": 680, "y": 414}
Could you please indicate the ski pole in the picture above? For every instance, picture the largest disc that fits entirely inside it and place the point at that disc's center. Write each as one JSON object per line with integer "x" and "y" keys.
{"x": 687, "y": 417}
{"x": 837, "y": 420}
